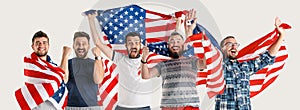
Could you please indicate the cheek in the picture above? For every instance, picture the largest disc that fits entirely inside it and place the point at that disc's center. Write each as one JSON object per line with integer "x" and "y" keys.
{"x": 87, "y": 47}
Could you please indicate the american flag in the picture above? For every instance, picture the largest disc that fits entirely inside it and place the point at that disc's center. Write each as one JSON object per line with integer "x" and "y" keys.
{"x": 212, "y": 77}
{"x": 43, "y": 82}
{"x": 108, "y": 89}
{"x": 266, "y": 76}
{"x": 155, "y": 28}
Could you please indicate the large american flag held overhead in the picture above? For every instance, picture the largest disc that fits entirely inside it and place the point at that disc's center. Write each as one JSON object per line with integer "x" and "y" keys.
{"x": 266, "y": 76}
{"x": 43, "y": 82}
{"x": 155, "y": 28}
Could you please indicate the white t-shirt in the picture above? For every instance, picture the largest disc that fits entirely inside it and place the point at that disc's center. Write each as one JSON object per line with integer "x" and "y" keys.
{"x": 133, "y": 90}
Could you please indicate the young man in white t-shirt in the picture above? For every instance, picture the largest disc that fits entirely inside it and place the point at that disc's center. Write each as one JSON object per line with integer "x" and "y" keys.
{"x": 133, "y": 90}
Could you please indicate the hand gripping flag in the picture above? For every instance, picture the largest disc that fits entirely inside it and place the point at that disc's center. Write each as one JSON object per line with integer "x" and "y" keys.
{"x": 44, "y": 81}
{"x": 266, "y": 76}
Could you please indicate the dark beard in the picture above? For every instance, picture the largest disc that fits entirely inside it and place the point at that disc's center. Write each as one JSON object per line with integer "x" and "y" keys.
{"x": 232, "y": 58}
{"x": 84, "y": 55}
{"x": 137, "y": 56}
{"x": 174, "y": 55}
{"x": 41, "y": 55}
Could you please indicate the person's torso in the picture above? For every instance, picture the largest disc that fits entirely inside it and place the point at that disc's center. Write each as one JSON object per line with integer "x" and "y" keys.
{"x": 82, "y": 89}
{"x": 237, "y": 89}
{"x": 133, "y": 90}
{"x": 179, "y": 83}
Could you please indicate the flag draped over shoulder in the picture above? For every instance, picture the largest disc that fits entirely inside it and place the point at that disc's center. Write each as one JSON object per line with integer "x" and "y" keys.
{"x": 44, "y": 81}
{"x": 154, "y": 27}
{"x": 266, "y": 76}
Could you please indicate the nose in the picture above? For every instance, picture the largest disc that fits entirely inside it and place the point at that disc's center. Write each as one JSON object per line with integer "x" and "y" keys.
{"x": 134, "y": 45}
{"x": 41, "y": 44}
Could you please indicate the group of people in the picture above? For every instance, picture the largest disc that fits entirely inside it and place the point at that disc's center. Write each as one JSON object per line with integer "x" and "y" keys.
{"x": 179, "y": 74}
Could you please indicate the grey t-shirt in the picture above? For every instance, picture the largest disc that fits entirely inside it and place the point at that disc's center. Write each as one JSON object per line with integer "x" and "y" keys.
{"x": 179, "y": 82}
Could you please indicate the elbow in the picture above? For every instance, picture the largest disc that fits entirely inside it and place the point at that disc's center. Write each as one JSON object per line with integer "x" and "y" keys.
{"x": 66, "y": 80}
{"x": 98, "y": 81}
{"x": 145, "y": 77}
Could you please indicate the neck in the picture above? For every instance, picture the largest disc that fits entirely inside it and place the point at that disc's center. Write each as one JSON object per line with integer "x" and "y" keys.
{"x": 43, "y": 57}
{"x": 82, "y": 57}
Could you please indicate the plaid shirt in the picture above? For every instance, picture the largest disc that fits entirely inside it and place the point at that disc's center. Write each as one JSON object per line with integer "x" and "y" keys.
{"x": 237, "y": 75}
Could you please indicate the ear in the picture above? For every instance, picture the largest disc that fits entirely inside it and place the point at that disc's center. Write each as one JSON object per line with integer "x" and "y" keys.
{"x": 222, "y": 48}
{"x": 32, "y": 46}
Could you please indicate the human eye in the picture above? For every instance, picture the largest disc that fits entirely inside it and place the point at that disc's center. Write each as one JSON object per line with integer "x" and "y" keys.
{"x": 130, "y": 43}
{"x": 229, "y": 44}
{"x": 45, "y": 42}
{"x": 172, "y": 41}
{"x": 37, "y": 43}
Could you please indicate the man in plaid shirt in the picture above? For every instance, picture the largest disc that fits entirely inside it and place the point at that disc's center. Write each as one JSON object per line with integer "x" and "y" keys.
{"x": 237, "y": 74}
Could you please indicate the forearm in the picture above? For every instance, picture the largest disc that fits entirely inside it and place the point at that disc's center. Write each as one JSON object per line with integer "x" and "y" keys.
{"x": 188, "y": 33}
{"x": 145, "y": 72}
{"x": 96, "y": 39}
{"x": 276, "y": 45}
{"x": 98, "y": 72}
{"x": 64, "y": 66}
{"x": 94, "y": 32}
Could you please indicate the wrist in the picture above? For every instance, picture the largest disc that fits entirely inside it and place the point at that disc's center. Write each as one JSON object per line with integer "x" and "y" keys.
{"x": 143, "y": 61}
{"x": 98, "y": 57}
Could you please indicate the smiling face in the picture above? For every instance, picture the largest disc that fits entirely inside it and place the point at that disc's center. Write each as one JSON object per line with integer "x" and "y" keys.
{"x": 175, "y": 46}
{"x": 229, "y": 48}
{"x": 133, "y": 46}
{"x": 40, "y": 46}
{"x": 81, "y": 47}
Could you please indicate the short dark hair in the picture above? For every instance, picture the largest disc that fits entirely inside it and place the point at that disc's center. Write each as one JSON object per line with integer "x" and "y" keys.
{"x": 39, "y": 34}
{"x": 132, "y": 34}
{"x": 222, "y": 42}
{"x": 81, "y": 34}
{"x": 174, "y": 34}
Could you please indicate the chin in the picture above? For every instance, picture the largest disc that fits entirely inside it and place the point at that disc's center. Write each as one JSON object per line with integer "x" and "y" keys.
{"x": 232, "y": 57}
{"x": 134, "y": 56}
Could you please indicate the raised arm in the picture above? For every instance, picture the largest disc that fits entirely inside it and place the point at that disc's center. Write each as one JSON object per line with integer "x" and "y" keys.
{"x": 147, "y": 73}
{"x": 188, "y": 25}
{"x": 98, "y": 67}
{"x": 276, "y": 45}
{"x": 64, "y": 62}
{"x": 189, "y": 28}
{"x": 96, "y": 37}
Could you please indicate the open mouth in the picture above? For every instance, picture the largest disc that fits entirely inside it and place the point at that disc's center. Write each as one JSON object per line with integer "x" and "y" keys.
{"x": 233, "y": 51}
{"x": 80, "y": 51}
{"x": 175, "y": 48}
{"x": 133, "y": 51}
{"x": 41, "y": 49}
